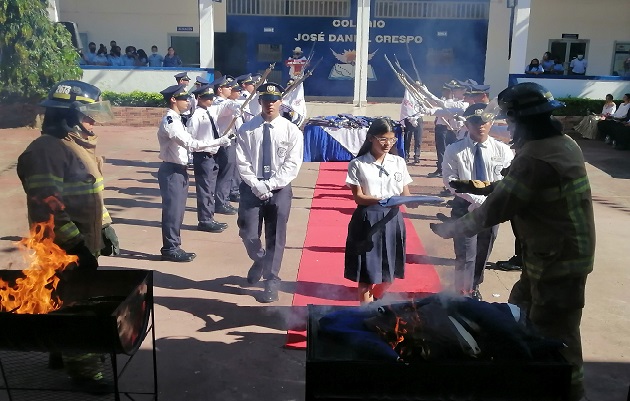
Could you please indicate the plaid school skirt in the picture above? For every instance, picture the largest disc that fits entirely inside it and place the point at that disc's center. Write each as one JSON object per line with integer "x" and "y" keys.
{"x": 375, "y": 247}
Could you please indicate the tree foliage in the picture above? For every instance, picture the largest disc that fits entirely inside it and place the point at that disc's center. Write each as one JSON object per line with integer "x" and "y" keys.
{"x": 35, "y": 53}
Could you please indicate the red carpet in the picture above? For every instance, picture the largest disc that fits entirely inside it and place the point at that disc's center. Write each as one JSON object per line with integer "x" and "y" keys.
{"x": 320, "y": 278}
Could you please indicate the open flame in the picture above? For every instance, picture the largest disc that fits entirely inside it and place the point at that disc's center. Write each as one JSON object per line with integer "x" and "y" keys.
{"x": 33, "y": 293}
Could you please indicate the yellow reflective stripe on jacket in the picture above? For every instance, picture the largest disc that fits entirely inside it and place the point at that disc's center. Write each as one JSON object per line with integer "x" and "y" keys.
{"x": 43, "y": 181}
{"x": 105, "y": 214}
{"x": 82, "y": 188}
{"x": 514, "y": 186}
{"x": 562, "y": 268}
{"x": 66, "y": 232}
{"x": 577, "y": 186}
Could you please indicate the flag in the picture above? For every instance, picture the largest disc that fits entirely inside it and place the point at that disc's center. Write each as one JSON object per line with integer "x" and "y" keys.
{"x": 295, "y": 102}
{"x": 408, "y": 107}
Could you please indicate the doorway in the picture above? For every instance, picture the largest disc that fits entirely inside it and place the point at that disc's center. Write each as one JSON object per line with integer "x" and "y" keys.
{"x": 187, "y": 48}
{"x": 568, "y": 49}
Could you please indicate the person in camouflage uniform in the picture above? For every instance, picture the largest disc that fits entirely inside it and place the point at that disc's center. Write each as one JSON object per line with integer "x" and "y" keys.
{"x": 547, "y": 195}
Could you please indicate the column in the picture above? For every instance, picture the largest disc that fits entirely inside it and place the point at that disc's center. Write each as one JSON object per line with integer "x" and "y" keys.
{"x": 206, "y": 34}
{"x": 361, "y": 66}
{"x": 520, "y": 36}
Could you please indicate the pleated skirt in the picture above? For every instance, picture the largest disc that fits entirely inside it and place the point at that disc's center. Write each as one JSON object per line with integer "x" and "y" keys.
{"x": 377, "y": 258}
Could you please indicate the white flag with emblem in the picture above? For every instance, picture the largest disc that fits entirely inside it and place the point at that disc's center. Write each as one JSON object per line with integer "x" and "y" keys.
{"x": 408, "y": 106}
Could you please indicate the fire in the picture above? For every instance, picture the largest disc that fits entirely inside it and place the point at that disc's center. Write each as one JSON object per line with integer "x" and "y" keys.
{"x": 33, "y": 293}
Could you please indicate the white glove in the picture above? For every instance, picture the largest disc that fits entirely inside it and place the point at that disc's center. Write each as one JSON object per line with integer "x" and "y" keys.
{"x": 259, "y": 189}
{"x": 225, "y": 140}
{"x": 265, "y": 196}
{"x": 413, "y": 121}
{"x": 238, "y": 112}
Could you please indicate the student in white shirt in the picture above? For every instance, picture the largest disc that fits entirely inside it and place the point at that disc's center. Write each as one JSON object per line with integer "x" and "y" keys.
{"x": 477, "y": 156}
{"x": 202, "y": 126}
{"x": 175, "y": 143}
{"x": 374, "y": 259}
{"x": 578, "y": 65}
{"x": 269, "y": 152}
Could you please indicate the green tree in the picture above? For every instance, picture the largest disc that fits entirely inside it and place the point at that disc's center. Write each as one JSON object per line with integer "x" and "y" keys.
{"x": 35, "y": 53}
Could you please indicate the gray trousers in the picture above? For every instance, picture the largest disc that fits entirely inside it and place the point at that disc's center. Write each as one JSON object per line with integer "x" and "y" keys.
{"x": 471, "y": 253}
{"x": 206, "y": 172}
{"x": 173, "y": 180}
{"x": 252, "y": 212}
{"x": 226, "y": 159}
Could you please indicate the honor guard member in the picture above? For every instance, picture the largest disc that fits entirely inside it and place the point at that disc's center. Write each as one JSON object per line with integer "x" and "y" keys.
{"x": 446, "y": 122}
{"x": 476, "y": 157}
{"x": 248, "y": 84}
{"x": 199, "y": 82}
{"x": 548, "y": 196}
{"x": 202, "y": 127}
{"x": 175, "y": 144}
{"x": 62, "y": 176}
{"x": 236, "y": 178}
{"x": 269, "y": 153}
{"x": 223, "y": 110}
{"x": 183, "y": 79}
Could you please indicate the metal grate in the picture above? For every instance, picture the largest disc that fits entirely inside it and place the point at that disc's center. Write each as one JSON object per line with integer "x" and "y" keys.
{"x": 293, "y": 8}
{"x": 431, "y": 10}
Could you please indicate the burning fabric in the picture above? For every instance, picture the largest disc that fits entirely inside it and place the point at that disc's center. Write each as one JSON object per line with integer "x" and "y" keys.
{"x": 439, "y": 328}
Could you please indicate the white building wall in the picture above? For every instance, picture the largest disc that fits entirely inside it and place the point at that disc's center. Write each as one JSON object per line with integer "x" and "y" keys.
{"x": 497, "y": 63}
{"x": 139, "y": 23}
{"x": 601, "y": 21}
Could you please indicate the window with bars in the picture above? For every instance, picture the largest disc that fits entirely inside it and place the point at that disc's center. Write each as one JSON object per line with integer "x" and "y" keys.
{"x": 431, "y": 10}
{"x": 290, "y": 8}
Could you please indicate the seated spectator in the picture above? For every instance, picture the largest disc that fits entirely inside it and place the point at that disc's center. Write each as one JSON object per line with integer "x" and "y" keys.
{"x": 91, "y": 53}
{"x": 129, "y": 58}
{"x": 155, "y": 59}
{"x": 558, "y": 67}
{"x": 171, "y": 59}
{"x": 547, "y": 63}
{"x": 101, "y": 56}
{"x": 588, "y": 126}
{"x": 534, "y": 67}
{"x": 578, "y": 65}
{"x": 114, "y": 58}
{"x": 606, "y": 127}
{"x": 141, "y": 58}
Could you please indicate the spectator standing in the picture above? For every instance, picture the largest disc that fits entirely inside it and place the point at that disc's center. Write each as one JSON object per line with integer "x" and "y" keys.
{"x": 101, "y": 56}
{"x": 112, "y": 45}
{"x": 141, "y": 58}
{"x": 129, "y": 58}
{"x": 534, "y": 67}
{"x": 155, "y": 59}
{"x": 90, "y": 56}
{"x": 558, "y": 67}
{"x": 578, "y": 65}
{"x": 171, "y": 59}
{"x": 114, "y": 58}
{"x": 547, "y": 63}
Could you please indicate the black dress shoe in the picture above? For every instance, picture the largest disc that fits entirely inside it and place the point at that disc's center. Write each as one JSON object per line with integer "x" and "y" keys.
{"x": 436, "y": 173}
{"x": 178, "y": 256}
{"x": 226, "y": 209}
{"x": 255, "y": 272}
{"x": 271, "y": 292}
{"x": 476, "y": 294}
{"x": 212, "y": 226}
{"x": 235, "y": 197}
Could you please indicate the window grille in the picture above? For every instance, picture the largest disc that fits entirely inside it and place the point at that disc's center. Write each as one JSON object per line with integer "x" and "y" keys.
{"x": 431, "y": 10}
{"x": 290, "y": 8}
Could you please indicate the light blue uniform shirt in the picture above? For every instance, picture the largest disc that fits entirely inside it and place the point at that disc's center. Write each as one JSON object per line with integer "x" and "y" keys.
{"x": 155, "y": 60}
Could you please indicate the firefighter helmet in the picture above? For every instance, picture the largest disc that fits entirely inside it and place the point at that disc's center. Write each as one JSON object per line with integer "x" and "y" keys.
{"x": 527, "y": 99}
{"x": 65, "y": 93}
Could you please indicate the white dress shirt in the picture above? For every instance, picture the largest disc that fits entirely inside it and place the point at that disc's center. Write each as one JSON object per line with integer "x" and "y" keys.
{"x": 380, "y": 180}
{"x": 200, "y": 128}
{"x": 175, "y": 142}
{"x": 286, "y": 152}
{"x": 459, "y": 159}
{"x": 578, "y": 66}
{"x": 446, "y": 115}
{"x": 223, "y": 111}
{"x": 622, "y": 110}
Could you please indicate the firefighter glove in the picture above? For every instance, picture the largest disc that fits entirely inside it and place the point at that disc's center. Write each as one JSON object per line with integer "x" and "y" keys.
{"x": 444, "y": 230}
{"x": 475, "y": 187}
{"x": 110, "y": 240}
{"x": 87, "y": 260}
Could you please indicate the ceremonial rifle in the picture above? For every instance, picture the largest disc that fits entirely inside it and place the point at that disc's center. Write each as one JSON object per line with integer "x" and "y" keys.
{"x": 413, "y": 63}
{"x": 415, "y": 93}
{"x": 262, "y": 79}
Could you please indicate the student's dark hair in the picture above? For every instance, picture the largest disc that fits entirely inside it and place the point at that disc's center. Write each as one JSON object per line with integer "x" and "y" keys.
{"x": 379, "y": 126}
{"x": 609, "y": 96}
{"x": 627, "y": 95}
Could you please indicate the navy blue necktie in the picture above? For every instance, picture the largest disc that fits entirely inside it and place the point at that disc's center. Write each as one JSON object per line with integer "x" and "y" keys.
{"x": 480, "y": 165}
{"x": 266, "y": 151}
